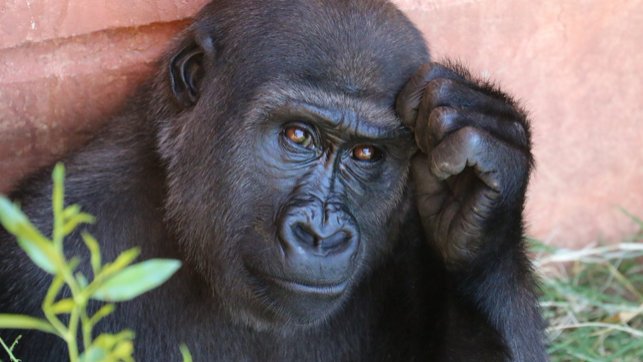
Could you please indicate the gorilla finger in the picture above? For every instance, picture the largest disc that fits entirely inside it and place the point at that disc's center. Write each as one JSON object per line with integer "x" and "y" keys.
{"x": 421, "y": 130}
{"x": 444, "y": 92}
{"x": 444, "y": 120}
{"x": 409, "y": 98}
{"x": 440, "y": 122}
{"x": 467, "y": 226}
{"x": 425, "y": 182}
{"x": 496, "y": 164}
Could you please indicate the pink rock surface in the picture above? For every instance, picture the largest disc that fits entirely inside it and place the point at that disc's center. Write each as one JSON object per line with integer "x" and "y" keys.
{"x": 54, "y": 93}
{"x": 577, "y": 65}
{"x": 24, "y": 21}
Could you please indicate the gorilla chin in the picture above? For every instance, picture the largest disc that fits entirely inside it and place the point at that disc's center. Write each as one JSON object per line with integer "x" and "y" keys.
{"x": 282, "y": 305}
{"x": 289, "y": 299}
{"x": 302, "y": 305}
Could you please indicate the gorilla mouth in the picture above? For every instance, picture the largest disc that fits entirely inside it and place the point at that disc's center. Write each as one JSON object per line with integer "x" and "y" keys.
{"x": 328, "y": 290}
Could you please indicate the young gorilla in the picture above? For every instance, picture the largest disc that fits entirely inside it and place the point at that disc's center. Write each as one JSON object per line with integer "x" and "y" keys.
{"x": 329, "y": 200}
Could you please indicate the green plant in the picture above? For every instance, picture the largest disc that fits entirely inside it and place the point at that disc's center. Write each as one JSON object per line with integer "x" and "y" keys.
{"x": 592, "y": 299}
{"x": 9, "y": 349}
{"x": 67, "y": 316}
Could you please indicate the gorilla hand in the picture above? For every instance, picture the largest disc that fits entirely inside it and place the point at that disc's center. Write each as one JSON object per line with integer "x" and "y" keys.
{"x": 472, "y": 168}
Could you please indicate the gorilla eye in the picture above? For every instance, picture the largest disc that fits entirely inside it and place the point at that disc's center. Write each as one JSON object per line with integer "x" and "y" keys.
{"x": 299, "y": 136}
{"x": 366, "y": 153}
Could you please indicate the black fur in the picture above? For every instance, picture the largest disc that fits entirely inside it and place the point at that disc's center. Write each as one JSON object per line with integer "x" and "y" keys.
{"x": 199, "y": 167}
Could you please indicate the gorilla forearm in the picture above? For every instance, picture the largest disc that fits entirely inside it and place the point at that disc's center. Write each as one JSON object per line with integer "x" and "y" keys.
{"x": 470, "y": 176}
{"x": 499, "y": 283}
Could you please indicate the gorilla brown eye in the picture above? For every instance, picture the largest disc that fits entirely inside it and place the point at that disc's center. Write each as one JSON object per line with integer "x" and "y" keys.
{"x": 366, "y": 153}
{"x": 299, "y": 136}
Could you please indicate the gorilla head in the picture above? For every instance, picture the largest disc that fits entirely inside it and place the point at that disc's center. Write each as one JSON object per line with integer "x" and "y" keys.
{"x": 301, "y": 165}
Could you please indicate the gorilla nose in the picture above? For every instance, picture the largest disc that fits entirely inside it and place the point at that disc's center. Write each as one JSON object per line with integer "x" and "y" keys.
{"x": 318, "y": 242}
{"x": 319, "y": 250}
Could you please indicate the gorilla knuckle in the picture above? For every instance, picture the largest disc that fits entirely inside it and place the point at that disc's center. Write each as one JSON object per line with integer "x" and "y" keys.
{"x": 443, "y": 113}
{"x": 443, "y": 120}
{"x": 520, "y": 134}
{"x": 437, "y": 90}
{"x": 444, "y": 85}
{"x": 471, "y": 138}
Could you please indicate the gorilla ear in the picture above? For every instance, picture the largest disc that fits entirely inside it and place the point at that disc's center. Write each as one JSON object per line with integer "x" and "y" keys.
{"x": 186, "y": 70}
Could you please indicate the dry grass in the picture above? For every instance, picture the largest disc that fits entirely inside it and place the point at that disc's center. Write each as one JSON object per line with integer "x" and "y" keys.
{"x": 593, "y": 300}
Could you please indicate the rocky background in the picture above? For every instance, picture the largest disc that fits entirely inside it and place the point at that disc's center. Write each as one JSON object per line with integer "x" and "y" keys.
{"x": 577, "y": 65}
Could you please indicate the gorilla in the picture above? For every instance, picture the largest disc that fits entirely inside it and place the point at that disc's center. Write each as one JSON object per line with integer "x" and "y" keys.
{"x": 333, "y": 194}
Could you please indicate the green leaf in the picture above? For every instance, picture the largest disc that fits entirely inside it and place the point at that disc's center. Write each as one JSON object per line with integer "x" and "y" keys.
{"x": 39, "y": 249}
{"x": 71, "y": 211}
{"x": 136, "y": 280}
{"x": 54, "y": 288}
{"x": 42, "y": 254}
{"x": 58, "y": 177}
{"x": 82, "y": 280}
{"x": 124, "y": 259}
{"x": 94, "y": 252}
{"x": 103, "y": 312}
{"x": 108, "y": 341}
{"x": 123, "y": 350}
{"x": 73, "y": 263}
{"x": 63, "y": 306}
{"x": 76, "y": 220}
{"x": 18, "y": 321}
{"x": 110, "y": 347}
{"x": 185, "y": 352}
{"x": 93, "y": 354}
{"x": 11, "y": 216}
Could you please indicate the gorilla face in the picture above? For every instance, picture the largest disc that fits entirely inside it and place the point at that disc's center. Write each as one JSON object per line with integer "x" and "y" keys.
{"x": 331, "y": 170}
{"x": 302, "y": 163}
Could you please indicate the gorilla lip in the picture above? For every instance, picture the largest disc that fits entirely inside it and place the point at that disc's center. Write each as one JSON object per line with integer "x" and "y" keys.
{"x": 321, "y": 289}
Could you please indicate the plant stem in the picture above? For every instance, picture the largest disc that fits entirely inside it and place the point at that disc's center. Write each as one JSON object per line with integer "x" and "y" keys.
{"x": 87, "y": 328}
{"x": 9, "y": 351}
{"x": 80, "y": 301}
{"x": 55, "y": 322}
{"x": 72, "y": 333}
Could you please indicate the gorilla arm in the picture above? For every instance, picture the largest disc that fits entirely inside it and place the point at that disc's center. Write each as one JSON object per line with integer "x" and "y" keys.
{"x": 470, "y": 176}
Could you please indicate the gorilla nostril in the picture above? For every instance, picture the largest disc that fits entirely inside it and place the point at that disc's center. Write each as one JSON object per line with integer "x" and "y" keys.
{"x": 304, "y": 235}
{"x": 336, "y": 241}
{"x": 307, "y": 237}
